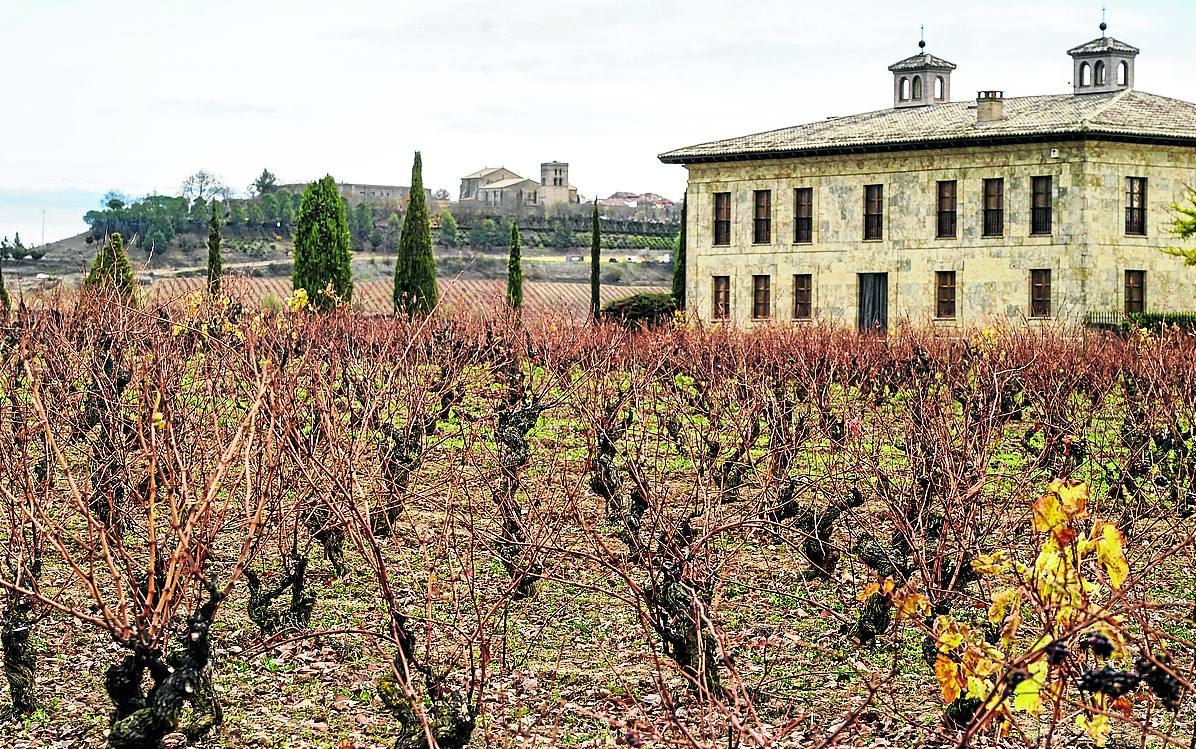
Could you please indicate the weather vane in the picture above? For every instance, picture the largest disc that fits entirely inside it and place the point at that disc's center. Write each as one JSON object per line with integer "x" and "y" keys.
{"x": 922, "y": 43}
{"x": 1103, "y": 24}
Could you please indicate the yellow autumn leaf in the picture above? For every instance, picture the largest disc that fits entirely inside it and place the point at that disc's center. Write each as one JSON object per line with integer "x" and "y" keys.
{"x": 991, "y": 564}
{"x": 1049, "y": 517}
{"x": 1097, "y": 727}
{"x": 1002, "y": 600}
{"x": 1048, "y": 513}
{"x": 1110, "y": 552}
{"x": 979, "y": 689}
{"x": 912, "y": 606}
{"x": 871, "y": 589}
{"x": 1027, "y": 695}
{"x": 1009, "y": 631}
{"x": 1073, "y": 498}
{"x": 948, "y": 633}
{"x": 947, "y": 673}
{"x": 981, "y": 661}
{"x": 868, "y": 591}
{"x": 1064, "y": 502}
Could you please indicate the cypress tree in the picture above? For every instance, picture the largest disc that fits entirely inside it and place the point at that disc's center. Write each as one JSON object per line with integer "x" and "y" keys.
{"x": 215, "y": 262}
{"x": 111, "y": 271}
{"x": 515, "y": 271}
{"x": 679, "y": 261}
{"x": 415, "y": 289}
{"x": 5, "y": 302}
{"x": 322, "y": 252}
{"x": 595, "y": 264}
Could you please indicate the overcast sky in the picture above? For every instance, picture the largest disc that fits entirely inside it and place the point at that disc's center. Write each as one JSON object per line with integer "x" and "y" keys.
{"x": 134, "y": 95}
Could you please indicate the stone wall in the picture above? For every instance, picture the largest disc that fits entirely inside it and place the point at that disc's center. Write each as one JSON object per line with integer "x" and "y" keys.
{"x": 1087, "y": 253}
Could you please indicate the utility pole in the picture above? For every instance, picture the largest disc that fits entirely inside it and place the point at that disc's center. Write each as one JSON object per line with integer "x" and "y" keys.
{"x": 43, "y": 227}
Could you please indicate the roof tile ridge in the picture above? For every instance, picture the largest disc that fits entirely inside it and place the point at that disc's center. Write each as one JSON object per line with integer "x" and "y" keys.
{"x": 1085, "y": 122}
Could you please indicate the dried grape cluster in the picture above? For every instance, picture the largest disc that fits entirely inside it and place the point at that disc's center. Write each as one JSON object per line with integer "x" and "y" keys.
{"x": 1160, "y": 680}
{"x": 1151, "y": 672}
{"x": 1057, "y": 653}
{"x": 1099, "y": 644}
{"x": 1109, "y": 681}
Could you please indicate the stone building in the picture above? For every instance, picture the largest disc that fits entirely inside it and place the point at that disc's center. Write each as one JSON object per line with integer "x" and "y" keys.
{"x": 378, "y": 195}
{"x": 500, "y": 187}
{"x": 1038, "y": 208}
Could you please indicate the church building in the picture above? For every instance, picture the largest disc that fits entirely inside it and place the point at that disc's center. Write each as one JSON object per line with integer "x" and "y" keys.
{"x": 950, "y": 214}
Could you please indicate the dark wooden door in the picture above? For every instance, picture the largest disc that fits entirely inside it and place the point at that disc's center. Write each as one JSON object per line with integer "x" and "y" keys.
{"x": 874, "y": 302}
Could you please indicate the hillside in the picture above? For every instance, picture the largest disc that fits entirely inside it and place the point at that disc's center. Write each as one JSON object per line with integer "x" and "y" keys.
{"x": 258, "y": 253}
{"x": 73, "y": 255}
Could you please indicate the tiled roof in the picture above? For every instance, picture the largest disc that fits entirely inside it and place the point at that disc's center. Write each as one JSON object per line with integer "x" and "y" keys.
{"x": 921, "y": 62}
{"x": 506, "y": 183}
{"x": 482, "y": 173}
{"x": 1103, "y": 44}
{"x": 1125, "y": 114}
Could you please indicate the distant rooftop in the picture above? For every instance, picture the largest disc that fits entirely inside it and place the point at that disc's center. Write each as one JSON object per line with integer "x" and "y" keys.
{"x": 506, "y": 183}
{"x": 483, "y": 172}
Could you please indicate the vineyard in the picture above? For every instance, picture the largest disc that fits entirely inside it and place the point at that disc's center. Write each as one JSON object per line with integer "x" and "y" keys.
{"x": 459, "y": 297}
{"x": 229, "y": 528}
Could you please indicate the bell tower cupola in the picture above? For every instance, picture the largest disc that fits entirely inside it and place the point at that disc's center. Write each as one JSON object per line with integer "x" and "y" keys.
{"x": 921, "y": 80}
{"x": 1103, "y": 65}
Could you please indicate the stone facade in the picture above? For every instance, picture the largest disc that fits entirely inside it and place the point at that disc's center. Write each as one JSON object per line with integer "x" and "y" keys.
{"x": 500, "y": 187}
{"x": 380, "y": 195}
{"x": 472, "y": 184}
{"x": 1087, "y": 253}
{"x": 1106, "y": 149}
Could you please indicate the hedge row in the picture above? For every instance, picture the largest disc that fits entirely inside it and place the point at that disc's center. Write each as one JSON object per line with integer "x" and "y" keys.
{"x": 641, "y": 310}
{"x": 1160, "y": 320}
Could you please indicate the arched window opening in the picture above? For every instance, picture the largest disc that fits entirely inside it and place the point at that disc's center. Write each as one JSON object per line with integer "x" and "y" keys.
{"x": 1123, "y": 74}
{"x": 1085, "y": 75}
{"x": 904, "y": 89}
{"x": 940, "y": 88}
{"x": 1100, "y": 74}
{"x": 917, "y": 88}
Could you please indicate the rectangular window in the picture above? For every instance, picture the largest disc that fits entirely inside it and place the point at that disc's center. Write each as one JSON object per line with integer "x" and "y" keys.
{"x": 994, "y": 207}
{"x": 761, "y": 297}
{"x": 1040, "y": 293}
{"x": 762, "y": 223}
{"x": 1135, "y": 206}
{"x": 722, "y": 218}
{"x": 722, "y": 297}
{"x": 1040, "y": 206}
{"x": 1135, "y": 291}
{"x": 803, "y": 216}
{"x": 803, "y": 296}
{"x": 944, "y": 295}
{"x": 874, "y": 211}
{"x": 946, "y": 209}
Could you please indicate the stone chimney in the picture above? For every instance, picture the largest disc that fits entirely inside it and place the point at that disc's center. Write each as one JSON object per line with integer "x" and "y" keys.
{"x": 990, "y": 106}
